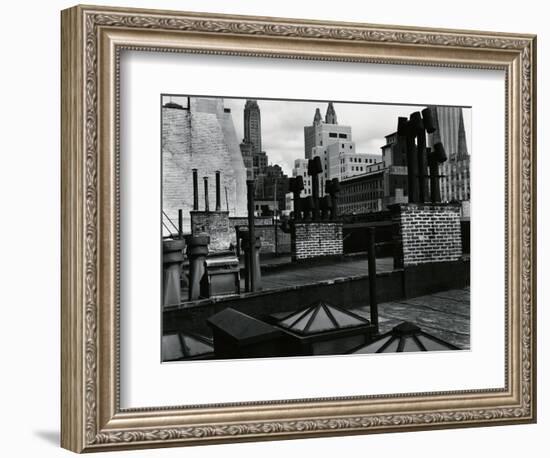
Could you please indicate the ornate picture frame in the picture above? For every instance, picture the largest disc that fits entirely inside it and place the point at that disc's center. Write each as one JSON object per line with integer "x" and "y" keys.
{"x": 92, "y": 40}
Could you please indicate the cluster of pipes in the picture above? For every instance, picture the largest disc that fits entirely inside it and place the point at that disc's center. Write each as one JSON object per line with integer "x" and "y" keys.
{"x": 196, "y": 246}
{"x": 422, "y": 155}
{"x": 173, "y": 257}
{"x": 206, "y": 200}
{"x": 251, "y": 250}
{"x": 314, "y": 207}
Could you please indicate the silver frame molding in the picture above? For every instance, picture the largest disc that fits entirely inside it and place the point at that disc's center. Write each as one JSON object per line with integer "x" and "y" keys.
{"x": 92, "y": 39}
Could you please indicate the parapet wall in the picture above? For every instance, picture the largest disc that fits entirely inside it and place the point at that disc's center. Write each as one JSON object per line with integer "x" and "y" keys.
{"x": 426, "y": 233}
{"x": 317, "y": 239}
{"x": 265, "y": 229}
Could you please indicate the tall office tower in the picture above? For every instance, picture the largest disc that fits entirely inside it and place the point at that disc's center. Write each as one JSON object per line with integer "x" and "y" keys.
{"x": 253, "y": 125}
{"x": 251, "y": 147}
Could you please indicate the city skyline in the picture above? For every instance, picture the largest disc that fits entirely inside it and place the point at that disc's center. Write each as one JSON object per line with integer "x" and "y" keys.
{"x": 283, "y": 124}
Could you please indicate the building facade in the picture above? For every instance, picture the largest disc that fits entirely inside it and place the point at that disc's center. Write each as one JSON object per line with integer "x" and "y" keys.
{"x": 361, "y": 194}
{"x": 373, "y": 191}
{"x": 383, "y": 183}
{"x": 346, "y": 165}
{"x": 300, "y": 169}
{"x": 392, "y": 154}
{"x": 455, "y": 172}
{"x": 324, "y": 133}
{"x": 455, "y": 180}
{"x": 272, "y": 185}
{"x": 333, "y": 143}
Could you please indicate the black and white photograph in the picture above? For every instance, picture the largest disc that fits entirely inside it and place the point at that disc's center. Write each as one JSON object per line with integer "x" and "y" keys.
{"x": 312, "y": 227}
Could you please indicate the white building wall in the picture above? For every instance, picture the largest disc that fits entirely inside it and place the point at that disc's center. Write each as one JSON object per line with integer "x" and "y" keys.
{"x": 300, "y": 169}
{"x": 455, "y": 180}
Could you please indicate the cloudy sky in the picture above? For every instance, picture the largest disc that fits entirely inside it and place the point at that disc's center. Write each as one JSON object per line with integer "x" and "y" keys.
{"x": 283, "y": 125}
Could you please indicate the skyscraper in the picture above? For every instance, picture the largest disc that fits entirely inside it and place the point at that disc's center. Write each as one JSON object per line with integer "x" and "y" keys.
{"x": 251, "y": 147}
{"x": 253, "y": 125}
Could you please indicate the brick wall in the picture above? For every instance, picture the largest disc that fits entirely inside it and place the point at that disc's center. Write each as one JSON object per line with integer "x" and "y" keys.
{"x": 203, "y": 138}
{"x": 264, "y": 229}
{"x": 216, "y": 225}
{"x": 258, "y": 221}
{"x": 317, "y": 239}
{"x": 425, "y": 233}
{"x": 267, "y": 235}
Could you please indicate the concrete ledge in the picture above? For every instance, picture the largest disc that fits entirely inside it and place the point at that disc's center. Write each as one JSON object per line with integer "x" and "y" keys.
{"x": 346, "y": 292}
{"x": 432, "y": 277}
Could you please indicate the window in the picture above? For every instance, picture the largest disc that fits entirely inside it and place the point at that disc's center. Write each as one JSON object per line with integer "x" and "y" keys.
{"x": 343, "y": 135}
{"x": 333, "y": 134}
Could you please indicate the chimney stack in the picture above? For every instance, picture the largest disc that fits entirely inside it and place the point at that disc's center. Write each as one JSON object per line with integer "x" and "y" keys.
{"x": 195, "y": 190}
{"x": 206, "y": 204}
{"x": 218, "y": 192}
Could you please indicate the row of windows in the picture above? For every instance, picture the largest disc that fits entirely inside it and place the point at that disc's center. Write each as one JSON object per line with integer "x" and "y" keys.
{"x": 359, "y": 160}
{"x": 458, "y": 176}
{"x": 374, "y": 184}
{"x": 454, "y": 182}
{"x": 360, "y": 208}
{"x": 452, "y": 168}
{"x": 361, "y": 197}
{"x": 460, "y": 183}
{"x": 452, "y": 191}
{"x": 335, "y": 135}
{"x": 456, "y": 196}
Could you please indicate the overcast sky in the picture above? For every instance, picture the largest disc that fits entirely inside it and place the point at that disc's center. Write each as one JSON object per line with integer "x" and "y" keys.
{"x": 283, "y": 125}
